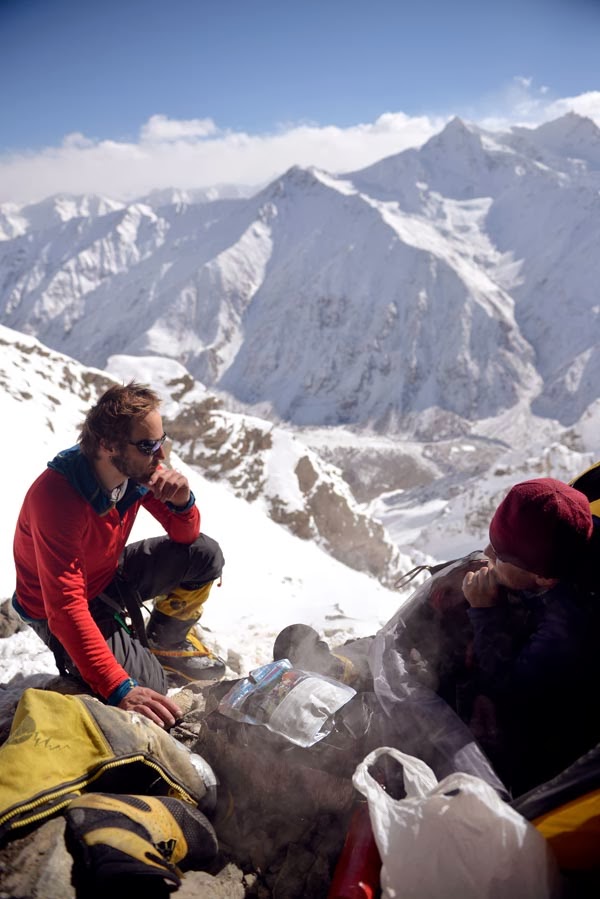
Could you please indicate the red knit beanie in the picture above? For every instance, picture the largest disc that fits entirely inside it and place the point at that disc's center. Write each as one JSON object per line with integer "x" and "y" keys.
{"x": 543, "y": 526}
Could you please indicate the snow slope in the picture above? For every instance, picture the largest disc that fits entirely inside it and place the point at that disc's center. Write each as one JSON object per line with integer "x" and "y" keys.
{"x": 459, "y": 277}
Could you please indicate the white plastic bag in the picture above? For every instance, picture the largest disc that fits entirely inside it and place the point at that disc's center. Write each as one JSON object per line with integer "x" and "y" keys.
{"x": 453, "y": 840}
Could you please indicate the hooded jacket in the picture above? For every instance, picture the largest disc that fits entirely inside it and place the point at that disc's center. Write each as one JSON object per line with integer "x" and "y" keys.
{"x": 67, "y": 545}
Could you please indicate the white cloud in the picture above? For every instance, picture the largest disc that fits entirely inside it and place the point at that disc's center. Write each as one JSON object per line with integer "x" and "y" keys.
{"x": 159, "y": 128}
{"x": 76, "y": 139}
{"x": 524, "y": 82}
{"x": 523, "y": 103}
{"x": 585, "y": 104}
{"x": 195, "y": 153}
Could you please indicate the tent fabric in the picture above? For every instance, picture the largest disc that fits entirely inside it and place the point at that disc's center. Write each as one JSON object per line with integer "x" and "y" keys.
{"x": 588, "y": 482}
{"x": 566, "y": 810}
{"x": 582, "y": 777}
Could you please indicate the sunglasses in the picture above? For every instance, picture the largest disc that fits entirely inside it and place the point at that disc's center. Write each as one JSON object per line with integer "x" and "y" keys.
{"x": 148, "y": 447}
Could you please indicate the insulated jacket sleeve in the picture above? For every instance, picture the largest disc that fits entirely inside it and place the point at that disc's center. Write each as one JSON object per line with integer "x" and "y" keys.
{"x": 528, "y": 667}
{"x": 181, "y": 527}
{"x": 58, "y": 526}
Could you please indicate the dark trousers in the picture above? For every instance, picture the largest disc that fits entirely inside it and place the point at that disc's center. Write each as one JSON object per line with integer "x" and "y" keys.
{"x": 156, "y": 566}
{"x": 146, "y": 569}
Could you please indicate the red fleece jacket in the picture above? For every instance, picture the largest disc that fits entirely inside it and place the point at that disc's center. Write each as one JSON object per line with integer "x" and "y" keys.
{"x": 66, "y": 554}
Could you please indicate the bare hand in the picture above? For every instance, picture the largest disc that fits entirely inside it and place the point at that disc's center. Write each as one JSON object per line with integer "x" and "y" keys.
{"x": 169, "y": 485}
{"x": 481, "y": 588}
{"x": 158, "y": 708}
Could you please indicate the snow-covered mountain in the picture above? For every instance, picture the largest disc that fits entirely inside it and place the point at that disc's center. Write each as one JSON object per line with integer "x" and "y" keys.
{"x": 460, "y": 277}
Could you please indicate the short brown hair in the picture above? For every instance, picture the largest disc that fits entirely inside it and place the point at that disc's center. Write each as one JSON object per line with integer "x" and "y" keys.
{"x": 113, "y": 415}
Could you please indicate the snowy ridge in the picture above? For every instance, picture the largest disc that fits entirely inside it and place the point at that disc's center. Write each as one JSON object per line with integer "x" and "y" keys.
{"x": 422, "y": 282}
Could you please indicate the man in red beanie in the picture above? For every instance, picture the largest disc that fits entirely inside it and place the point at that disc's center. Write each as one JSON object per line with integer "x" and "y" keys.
{"x": 534, "y": 643}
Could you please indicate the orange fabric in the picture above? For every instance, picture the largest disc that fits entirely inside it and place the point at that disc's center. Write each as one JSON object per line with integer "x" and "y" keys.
{"x": 573, "y": 831}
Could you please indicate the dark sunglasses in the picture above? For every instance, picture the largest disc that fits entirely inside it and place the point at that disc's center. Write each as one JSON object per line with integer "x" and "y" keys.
{"x": 148, "y": 447}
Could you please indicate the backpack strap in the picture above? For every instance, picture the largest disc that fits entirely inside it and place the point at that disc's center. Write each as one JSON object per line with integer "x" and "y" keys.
{"x": 129, "y": 601}
{"x": 409, "y": 576}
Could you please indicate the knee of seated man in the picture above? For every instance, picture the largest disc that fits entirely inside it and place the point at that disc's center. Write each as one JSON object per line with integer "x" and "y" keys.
{"x": 207, "y": 557}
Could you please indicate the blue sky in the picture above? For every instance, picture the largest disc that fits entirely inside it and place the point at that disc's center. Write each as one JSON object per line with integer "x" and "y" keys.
{"x": 103, "y": 70}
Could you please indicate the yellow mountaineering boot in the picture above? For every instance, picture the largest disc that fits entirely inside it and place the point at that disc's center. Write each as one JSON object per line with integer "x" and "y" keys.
{"x": 172, "y": 637}
{"x": 126, "y": 846}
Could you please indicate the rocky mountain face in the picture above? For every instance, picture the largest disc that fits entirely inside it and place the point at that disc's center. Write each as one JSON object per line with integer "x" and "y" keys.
{"x": 298, "y": 486}
{"x": 459, "y": 278}
{"x": 51, "y": 388}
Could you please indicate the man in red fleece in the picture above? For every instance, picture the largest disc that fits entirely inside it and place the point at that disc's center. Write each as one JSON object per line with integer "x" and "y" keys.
{"x": 75, "y": 572}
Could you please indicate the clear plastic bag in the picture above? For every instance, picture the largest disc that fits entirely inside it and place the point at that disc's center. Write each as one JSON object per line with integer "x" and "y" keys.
{"x": 298, "y": 705}
{"x": 425, "y": 638}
